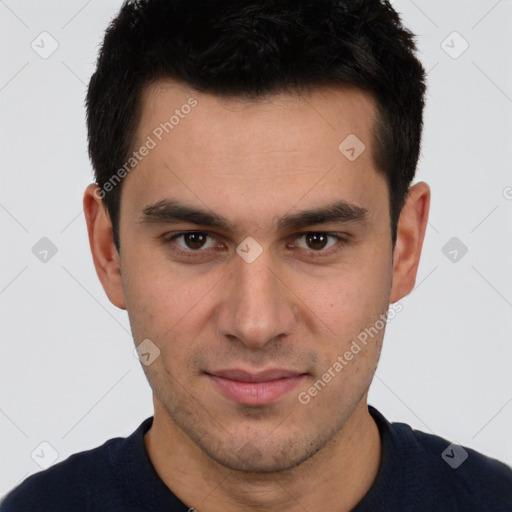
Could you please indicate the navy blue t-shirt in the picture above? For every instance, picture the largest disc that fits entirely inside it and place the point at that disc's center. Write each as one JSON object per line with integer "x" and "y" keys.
{"x": 419, "y": 472}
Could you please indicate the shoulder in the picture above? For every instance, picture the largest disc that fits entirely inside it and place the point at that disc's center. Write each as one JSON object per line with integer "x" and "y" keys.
{"x": 481, "y": 478}
{"x": 453, "y": 472}
{"x": 75, "y": 483}
{"x": 69, "y": 483}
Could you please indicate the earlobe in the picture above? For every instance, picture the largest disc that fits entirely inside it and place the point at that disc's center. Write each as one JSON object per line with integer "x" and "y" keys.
{"x": 104, "y": 253}
{"x": 411, "y": 233}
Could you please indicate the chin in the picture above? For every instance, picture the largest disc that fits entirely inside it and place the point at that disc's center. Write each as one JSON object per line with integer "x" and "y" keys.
{"x": 263, "y": 457}
{"x": 251, "y": 459}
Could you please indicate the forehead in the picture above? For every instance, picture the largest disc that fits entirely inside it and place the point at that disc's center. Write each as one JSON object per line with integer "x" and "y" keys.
{"x": 342, "y": 110}
{"x": 253, "y": 154}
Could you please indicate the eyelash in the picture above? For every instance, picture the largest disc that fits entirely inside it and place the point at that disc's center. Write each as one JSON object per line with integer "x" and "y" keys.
{"x": 342, "y": 239}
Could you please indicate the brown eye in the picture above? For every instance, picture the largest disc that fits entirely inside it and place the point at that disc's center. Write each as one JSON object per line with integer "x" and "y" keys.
{"x": 316, "y": 241}
{"x": 191, "y": 241}
{"x": 319, "y": 241}
{"x": 194, "y": 240}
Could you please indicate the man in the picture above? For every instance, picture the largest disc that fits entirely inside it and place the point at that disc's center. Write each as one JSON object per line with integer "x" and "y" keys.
{"x": 254, "y": 215}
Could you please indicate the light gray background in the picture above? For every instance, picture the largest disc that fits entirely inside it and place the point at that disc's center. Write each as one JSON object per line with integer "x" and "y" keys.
{"x": 68, "y": 374}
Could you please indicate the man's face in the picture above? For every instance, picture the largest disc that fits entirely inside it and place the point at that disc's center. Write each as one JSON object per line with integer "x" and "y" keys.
{"x": 220, "y": 317}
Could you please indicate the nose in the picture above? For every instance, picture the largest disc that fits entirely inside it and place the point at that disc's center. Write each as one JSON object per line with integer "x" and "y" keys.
{"x": 256, "y": 306}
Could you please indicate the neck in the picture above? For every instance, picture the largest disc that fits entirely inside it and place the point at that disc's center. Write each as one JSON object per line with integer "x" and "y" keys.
{"x": 335, "y": 478}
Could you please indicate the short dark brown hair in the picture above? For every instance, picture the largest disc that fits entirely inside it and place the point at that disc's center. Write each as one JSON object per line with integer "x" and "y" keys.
{"x": 251, "y": 48}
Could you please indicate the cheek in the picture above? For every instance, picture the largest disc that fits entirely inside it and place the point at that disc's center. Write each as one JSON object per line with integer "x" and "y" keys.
{"x": 351, "y": 299}
{"x": 162, "y": 300}
{"x": 349, "y": 351}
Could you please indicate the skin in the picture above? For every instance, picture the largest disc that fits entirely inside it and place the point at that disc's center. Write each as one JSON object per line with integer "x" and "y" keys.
{"x": 294, "y": 307}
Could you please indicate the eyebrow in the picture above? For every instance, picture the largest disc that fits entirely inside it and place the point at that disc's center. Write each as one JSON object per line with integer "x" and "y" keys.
{"x": 170, "y": 211}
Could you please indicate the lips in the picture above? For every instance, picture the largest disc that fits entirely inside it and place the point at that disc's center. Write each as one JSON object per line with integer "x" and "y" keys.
{"x": 255, "y": 389}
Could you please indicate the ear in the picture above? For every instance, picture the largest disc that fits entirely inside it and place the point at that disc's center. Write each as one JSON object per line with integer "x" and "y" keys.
{"x": 411, "y": 232}
{"x": 104, "y": 253}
